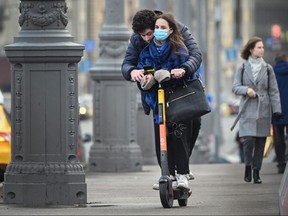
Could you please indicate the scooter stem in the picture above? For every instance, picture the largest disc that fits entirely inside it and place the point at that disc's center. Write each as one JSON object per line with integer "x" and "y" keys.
{"x": 162, "y": 132}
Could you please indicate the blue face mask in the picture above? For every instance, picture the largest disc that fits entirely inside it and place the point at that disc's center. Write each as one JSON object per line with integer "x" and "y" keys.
{"x": 161, "y": 34}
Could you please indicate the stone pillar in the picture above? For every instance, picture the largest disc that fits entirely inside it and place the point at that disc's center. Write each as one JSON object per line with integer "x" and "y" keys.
{"x": 145, "y": 136}
{"x": 44, "y": 168}
{"x": 115, "y": 147}
{"x": 145, "y": 126}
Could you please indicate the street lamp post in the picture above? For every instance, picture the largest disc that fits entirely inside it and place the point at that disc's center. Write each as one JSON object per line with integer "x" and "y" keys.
{"x": 217, "y": 51}
{"x": 44, "y": 167}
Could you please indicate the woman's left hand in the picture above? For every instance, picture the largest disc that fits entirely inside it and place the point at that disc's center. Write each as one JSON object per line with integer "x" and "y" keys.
{"x": 177, "y": 73}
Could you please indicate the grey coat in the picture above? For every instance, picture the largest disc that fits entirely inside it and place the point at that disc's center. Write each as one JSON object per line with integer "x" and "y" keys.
{"x": 256, "y": 117}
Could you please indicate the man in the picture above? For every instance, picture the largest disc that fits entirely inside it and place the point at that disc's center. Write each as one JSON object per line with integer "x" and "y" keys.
{"x": 143, "y": 26}
{"x": 279, "y": 127}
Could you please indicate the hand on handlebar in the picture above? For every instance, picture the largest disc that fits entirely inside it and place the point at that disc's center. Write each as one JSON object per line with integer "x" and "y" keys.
{"x": 137, "y": 75}
{"x": 177, "y": 73}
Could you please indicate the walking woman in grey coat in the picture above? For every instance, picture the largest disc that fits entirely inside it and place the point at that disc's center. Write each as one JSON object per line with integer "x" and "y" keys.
{"x": 256, "y": 83}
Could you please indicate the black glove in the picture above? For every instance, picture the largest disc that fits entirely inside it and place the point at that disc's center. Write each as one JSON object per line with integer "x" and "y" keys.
{"x": 278, "y": 116}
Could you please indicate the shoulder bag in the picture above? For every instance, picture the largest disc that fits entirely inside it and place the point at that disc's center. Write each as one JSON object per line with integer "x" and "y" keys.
{"x": 187, "y": 101}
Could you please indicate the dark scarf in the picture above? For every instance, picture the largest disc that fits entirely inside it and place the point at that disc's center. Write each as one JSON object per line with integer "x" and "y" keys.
{"x": 159, "y": 58}
{"x": 156, "y": 56}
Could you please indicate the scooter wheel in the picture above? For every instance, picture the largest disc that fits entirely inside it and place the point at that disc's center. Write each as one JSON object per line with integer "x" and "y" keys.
{"x": 166, "y": 194}
{"x": 182, "y": 202}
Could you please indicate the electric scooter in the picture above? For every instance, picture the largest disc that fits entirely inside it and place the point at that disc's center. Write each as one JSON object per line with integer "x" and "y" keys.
{"x": 167, "y": 193}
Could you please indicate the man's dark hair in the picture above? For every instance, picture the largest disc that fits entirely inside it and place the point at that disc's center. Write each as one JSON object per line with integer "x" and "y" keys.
{"x": 143, "y": 19}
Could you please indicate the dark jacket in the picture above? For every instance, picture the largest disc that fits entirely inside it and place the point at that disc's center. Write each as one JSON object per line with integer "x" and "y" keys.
{"x": 137, "y": 44}
{"x": 281, "y": 73}
{"x": 160, "y": 59}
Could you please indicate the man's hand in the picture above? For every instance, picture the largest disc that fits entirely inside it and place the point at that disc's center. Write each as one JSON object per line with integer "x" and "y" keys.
{"x": 251, "y": 93}
{"x": 137, "y": 75}
{"x": 177, "y": 73}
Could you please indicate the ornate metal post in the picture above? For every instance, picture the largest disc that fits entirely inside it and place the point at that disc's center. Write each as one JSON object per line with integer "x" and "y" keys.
{"x": 44, "y": 168}
{"x": 114, "y": 123}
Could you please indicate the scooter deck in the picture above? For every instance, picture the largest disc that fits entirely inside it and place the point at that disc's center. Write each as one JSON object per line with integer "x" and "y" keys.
{"x": 181, "y": 193}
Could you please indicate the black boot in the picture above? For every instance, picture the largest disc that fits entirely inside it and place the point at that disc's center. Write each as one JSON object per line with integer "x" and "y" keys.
{"x": 281, "y": 167}
{"x": 248, "y": 176}
{"x": 256, "y": 177}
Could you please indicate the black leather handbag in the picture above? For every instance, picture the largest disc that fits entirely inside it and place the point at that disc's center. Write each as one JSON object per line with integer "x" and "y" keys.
{"x": 186, "y": 102}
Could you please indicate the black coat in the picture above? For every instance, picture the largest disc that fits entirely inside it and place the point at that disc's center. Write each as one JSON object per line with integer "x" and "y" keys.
{"x": 137, "y": 44}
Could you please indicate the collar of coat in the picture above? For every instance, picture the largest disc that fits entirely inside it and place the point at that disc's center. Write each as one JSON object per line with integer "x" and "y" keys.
{"x": 249, "y": 74}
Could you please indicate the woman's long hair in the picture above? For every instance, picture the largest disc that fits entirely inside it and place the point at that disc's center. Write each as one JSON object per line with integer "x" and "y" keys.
{"x": 250, "y": 45}
{"x": 175, "y": 38}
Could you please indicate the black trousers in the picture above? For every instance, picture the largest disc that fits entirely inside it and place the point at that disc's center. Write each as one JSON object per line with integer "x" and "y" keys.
{"x": 280, "y": 143}
{"x": 180, "y": 145}
{"x": 196, "y": 125}
{"x": 253, "y": 151}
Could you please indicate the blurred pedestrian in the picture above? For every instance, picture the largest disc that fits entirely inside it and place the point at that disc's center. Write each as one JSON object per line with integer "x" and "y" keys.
{"x": 143, "y": 25}
{"x": 255, "y": 81}
{"x": 280, "y": 128}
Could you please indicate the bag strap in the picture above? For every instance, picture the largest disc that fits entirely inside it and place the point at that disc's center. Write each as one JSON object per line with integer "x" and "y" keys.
{"x": 268, "y": 72}
{"x": 198, "y": 77}
{"x": 242, "y": 72}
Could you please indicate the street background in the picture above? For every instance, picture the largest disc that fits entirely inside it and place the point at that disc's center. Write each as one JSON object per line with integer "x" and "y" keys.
{"x": 229, "y": 151}
{"x": 218, "y": 189}
{"x": 220, "y": 40}
{"x": 220, "y": 30}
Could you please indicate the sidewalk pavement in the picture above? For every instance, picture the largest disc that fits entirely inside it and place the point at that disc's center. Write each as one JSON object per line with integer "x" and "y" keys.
{"x": 218, "y": 189}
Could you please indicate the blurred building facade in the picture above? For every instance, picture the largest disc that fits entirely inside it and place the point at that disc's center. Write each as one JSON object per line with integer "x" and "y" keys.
{"x": 240, "y": 20}
{"x": 271, "y": 24}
